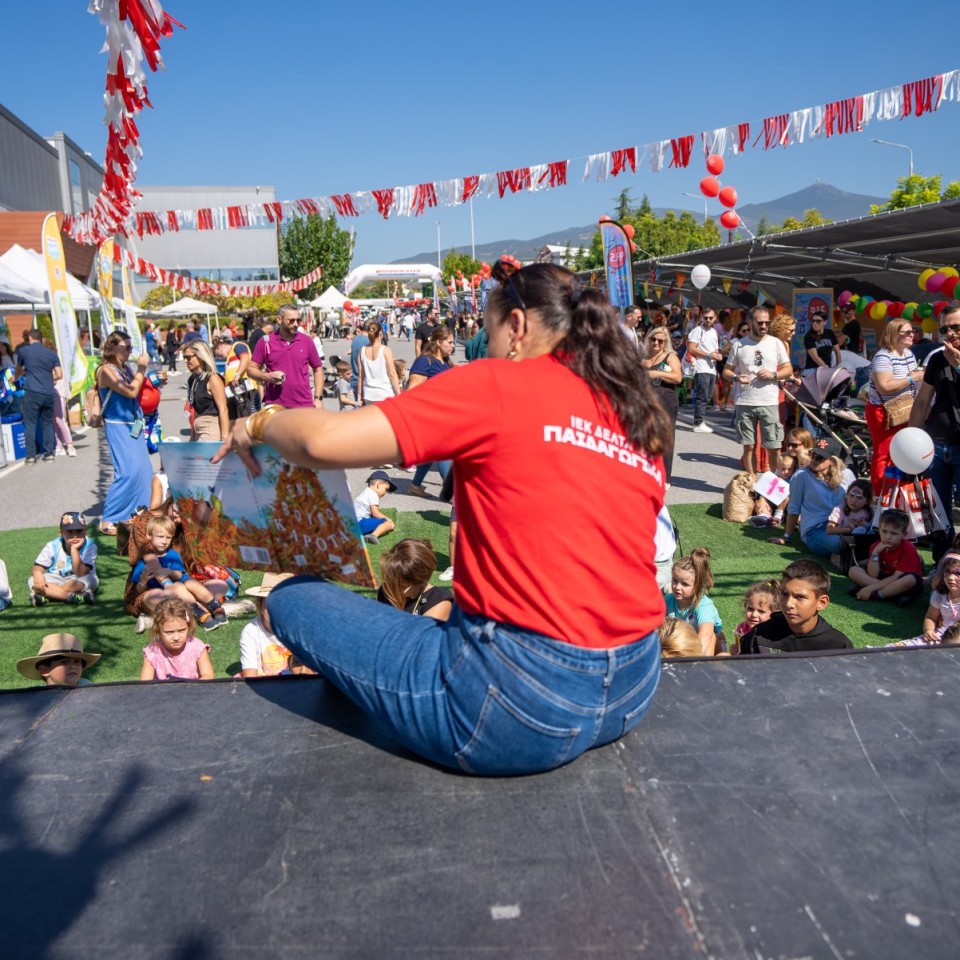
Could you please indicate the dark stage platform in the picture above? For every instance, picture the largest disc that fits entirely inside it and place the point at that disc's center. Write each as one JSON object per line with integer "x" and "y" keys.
{"x": 768, "y": 808}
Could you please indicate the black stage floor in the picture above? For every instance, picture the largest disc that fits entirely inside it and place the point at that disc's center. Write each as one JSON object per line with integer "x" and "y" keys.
{"x": 768, "y": 808}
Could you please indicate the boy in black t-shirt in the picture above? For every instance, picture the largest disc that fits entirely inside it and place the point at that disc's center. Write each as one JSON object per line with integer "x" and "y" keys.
{"x": 804, "y": 592}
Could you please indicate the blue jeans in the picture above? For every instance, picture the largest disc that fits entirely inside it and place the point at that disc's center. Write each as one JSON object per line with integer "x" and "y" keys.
{"x": 944, "y": 474}
{"x": 443, "y": 468}
{"x": 471, "y": 693}
{"x": 702, "y": 394}
{"x": 38, "y": 408}
{"x": 818, "y": 541}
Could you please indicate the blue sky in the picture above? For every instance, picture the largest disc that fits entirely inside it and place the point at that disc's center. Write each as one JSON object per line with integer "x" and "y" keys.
{"x": 316, "y": 99}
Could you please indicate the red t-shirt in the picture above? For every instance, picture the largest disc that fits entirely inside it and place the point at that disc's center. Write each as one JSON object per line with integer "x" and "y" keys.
{"x": 904, "y": 559}
{"x": 556, "y": 513}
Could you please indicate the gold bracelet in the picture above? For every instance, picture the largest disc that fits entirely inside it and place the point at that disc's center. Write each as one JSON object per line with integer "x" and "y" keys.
{"x": 254, "y": 424}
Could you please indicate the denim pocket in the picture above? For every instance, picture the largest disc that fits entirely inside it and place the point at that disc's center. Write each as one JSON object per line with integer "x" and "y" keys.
{"x": 508, "y": 741}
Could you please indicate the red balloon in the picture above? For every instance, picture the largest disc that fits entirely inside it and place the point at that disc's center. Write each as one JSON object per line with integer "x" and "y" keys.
{"x": 709, "y": 186}
{"x": 728, "y": 197}
{"x": 633, "y": 247}
{"x": 348, "y": 305}
{"x": 715, "y": 164}
{"x": 895, "y": 309}
{"x": 939, "y": 305}
{"x": 628, "y": 230}
{"x": 949, "y": 285}
{"x": 730, "y": 219}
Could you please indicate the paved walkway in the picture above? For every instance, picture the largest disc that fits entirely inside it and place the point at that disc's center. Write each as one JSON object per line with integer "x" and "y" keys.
{"x": 36, "y": 495}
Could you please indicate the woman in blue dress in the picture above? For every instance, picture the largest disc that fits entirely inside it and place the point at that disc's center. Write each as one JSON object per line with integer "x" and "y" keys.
{"x": 119, "y": 391}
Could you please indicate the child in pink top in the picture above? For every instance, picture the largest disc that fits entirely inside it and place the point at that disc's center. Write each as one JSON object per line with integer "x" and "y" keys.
{"x": 175, "y": 653}
{"x": 761, "y": 602}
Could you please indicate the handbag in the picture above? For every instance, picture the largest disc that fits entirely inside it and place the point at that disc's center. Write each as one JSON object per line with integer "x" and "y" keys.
{"x": 898, "y": 409}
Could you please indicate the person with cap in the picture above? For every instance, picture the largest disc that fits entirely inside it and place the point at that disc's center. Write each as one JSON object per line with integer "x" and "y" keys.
{"x": 41, "y": 369}
{"x": 261, "y": 653}
{"x": 373, "y": 524}
{"x": 65, "y": 569}
{"x": 60, "y": 662}
{"x": 815, "y": 491}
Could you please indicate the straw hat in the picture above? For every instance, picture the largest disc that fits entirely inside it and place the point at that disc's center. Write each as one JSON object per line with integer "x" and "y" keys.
{"x": 270, "y": 580}
{"x": 55, "y": 645}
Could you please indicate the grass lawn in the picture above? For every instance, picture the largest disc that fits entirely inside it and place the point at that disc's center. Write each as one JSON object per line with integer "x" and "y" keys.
{"x": 740, "y": 554}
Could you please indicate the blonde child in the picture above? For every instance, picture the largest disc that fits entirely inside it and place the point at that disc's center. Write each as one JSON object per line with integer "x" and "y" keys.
{"x": 944, "y": 609}
{"x": 174, "y": 652}
{"x": 760, "y": 603}
{"x": 678, "y": 639}
{"x": 161, "y": 573}
{"x": 688, "y": 600}
{"x": 766, "y": 514}
{"x": 343, "y": 388}
{"x": 402, "y": 376}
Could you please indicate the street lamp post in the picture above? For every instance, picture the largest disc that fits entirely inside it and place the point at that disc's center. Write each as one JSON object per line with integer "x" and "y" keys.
{"x": 439, "y": 264}
{"x": 902, "y": 146}
{"x": 706, "y": 216}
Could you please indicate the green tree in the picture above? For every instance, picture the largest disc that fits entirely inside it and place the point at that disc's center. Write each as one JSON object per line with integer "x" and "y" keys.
{"x": 374, "y": 290}
{"x": 623, "y": 206}
{"x": 910, "y": 192}
{"x": 463, "y": 262}
{"x": 763, "y": 226}
{"x": 644, "y": 210}
{"x": 811, "y": 218}
{"x": 952, "y": 191}
{"x": 310, "y": 242}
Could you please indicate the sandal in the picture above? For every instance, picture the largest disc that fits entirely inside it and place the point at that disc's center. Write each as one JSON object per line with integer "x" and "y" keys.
{"x": 108, "y": 529}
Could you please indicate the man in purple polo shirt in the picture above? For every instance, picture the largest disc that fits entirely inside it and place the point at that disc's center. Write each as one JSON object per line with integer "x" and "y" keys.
{"x": 282, "y": 361}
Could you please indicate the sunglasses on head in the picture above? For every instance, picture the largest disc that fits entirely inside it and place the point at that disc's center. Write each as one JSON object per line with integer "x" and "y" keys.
{"x": 502, "y": 272}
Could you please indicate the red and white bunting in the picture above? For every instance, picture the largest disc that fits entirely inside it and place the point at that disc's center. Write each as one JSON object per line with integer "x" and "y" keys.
{"x": 177, "y": 281}
{"x": 134, "y": 29}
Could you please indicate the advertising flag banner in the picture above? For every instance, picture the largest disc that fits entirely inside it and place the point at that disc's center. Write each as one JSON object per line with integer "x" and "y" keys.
{"x": 617, "y": 263}
{"x": 137, "y": 346}
{"x": 65, "y": 330}
{"x": 105, "y": 283}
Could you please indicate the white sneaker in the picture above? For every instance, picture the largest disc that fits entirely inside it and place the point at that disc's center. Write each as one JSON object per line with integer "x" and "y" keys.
{"x": 703, "y": 428}
{"x": 144, "y": 622}
{"x": 71, "y": 452}
{"x": 60, "y": 452}
{"x": 447, "y": 575}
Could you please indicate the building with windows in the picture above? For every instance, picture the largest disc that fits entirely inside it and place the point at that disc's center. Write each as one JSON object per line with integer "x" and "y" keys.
{"x": 241, "y": 255}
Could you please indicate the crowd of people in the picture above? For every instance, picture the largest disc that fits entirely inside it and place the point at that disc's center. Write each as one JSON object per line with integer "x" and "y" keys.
{"x": 511, "y": 672}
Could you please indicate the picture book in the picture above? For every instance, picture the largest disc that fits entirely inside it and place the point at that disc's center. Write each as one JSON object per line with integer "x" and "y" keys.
{"x": 289, "y": 519}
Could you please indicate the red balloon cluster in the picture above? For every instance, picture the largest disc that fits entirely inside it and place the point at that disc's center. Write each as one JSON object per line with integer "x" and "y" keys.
{"x": 710, "y": 187}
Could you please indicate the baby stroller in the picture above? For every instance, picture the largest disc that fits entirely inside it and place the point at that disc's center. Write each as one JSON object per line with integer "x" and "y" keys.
{"x": 822, "y": 399}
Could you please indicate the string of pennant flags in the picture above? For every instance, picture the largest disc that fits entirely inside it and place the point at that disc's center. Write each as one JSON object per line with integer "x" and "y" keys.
{"x": 179, "y": 282}
{"x": 134, "y": 29}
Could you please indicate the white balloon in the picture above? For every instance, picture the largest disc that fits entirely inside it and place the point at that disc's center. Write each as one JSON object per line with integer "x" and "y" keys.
{"x": 911, "y": 450}
{"x": 700, "y": 276}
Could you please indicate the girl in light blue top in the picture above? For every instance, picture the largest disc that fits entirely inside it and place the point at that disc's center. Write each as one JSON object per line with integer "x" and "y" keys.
{"x": 688, "y": 600}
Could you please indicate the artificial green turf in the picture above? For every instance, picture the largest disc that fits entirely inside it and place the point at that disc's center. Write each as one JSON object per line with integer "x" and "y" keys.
{"x": 106, "y": 629}
{"x": 740, "y": 556}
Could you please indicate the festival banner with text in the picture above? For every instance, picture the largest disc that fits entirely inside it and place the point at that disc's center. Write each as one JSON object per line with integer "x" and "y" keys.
{"x": 73, "y": 361}
{"x": 617, "y": 263}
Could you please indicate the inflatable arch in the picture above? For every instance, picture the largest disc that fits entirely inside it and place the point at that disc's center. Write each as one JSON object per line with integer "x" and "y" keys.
{"x": 406, "y": 272}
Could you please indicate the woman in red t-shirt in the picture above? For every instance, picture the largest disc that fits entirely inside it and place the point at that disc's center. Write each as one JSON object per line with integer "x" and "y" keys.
{"x": 551, "y": 648}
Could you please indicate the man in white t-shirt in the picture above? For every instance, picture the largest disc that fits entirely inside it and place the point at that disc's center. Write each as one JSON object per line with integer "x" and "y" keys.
{"x": 704, "y": 346}
{"x": 758, "y": 363}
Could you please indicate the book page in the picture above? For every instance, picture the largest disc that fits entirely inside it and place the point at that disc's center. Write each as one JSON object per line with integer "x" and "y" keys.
{"x": 289, "y": 519}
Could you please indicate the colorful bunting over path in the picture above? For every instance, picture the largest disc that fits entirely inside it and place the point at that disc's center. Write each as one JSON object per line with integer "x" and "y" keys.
{"x": 134, "y": 29}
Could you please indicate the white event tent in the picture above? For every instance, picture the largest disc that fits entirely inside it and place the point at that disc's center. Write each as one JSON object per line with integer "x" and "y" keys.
{"x": 330, "y": 299}
{"x": 30, "y": 266}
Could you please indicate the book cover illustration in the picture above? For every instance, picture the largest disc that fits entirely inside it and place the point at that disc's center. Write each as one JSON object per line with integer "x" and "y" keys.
{"x": 289, "y": 519}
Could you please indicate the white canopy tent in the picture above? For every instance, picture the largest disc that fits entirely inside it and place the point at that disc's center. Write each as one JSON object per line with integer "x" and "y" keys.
{"x": 330, "y": 299}
{"x": 15, "y": 287}
{"x": 30, "y": 266}
{"x": 188, "y": 307}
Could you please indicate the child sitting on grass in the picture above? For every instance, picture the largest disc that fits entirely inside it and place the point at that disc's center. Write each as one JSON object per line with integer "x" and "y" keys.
{"x": 405, "y": 572}
{"x": 765, "y": 512}
{"x": 760, "y": 603}
{"x": 161, "y": 573}
{"x": 678, "y": 639}
{"x": 798, "y": 627}
{"x": 688, "y": 600}
{"x": 175, "y": 653}
{"x": 373, "y": 524}
{"x": 261, "y": 653}
{"x": 944, "y": 609}
{"x": 65, "y": 569}
{"x": 894, "y": 570}
{"x": 59, "y": 662}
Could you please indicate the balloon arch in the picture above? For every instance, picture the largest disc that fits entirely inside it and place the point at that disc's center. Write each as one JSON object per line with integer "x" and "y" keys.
{"x": 404, "y": 272}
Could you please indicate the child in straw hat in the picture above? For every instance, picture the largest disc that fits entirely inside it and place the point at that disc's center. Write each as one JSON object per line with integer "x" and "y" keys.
{"x": 60, "y": 662}
{"x": 261, "y": 653}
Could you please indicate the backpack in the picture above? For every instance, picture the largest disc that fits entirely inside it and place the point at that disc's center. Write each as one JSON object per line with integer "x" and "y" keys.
{"x": 92, "y": 409}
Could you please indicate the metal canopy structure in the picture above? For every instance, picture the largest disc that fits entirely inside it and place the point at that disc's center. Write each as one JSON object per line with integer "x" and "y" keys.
{"x": 878, "y": 256}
